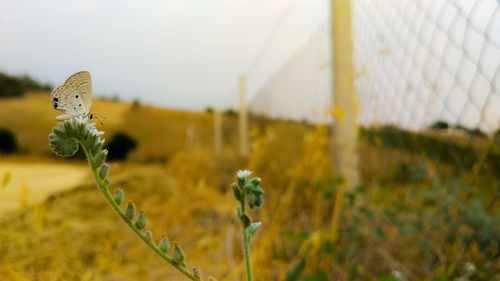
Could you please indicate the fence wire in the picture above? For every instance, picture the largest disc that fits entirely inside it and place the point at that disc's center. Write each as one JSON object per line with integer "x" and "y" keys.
{"x": 428, "y": 61}
{"x": 427, "y": 77}
{"x": 417, "y": 62}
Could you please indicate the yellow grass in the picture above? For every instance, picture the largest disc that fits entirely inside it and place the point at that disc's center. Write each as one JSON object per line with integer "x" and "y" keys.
{"x": 35, "y": 182}
{"x": 183, "y": 187}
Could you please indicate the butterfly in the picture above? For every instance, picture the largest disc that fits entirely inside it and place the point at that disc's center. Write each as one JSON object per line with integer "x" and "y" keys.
{"x": 74, "y": 96}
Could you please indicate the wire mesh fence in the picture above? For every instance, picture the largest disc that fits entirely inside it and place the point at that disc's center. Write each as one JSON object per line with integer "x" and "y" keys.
{"x": 429, "y": 61}
{"x": 427, "y": 78}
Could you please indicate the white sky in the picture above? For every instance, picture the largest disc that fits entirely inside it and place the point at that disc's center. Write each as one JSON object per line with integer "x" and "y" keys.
{"x": 178, "y": 53}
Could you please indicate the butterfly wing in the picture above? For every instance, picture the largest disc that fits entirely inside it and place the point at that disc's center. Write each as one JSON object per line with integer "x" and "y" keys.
{"x": 74, "y": 96}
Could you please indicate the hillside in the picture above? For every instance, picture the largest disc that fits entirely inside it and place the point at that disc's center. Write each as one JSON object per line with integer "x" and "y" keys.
{"x": 159, "y": 131}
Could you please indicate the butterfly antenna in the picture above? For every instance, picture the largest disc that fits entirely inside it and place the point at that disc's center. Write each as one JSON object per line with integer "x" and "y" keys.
{"x": 97, "y": 117}
{"x": 100, "y": 116}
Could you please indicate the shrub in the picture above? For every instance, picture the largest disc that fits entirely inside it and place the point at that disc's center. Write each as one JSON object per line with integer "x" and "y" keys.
{"x": 8, "y": 142}
{"x": 136, "y": 104}
{"x": 120, "y": 145}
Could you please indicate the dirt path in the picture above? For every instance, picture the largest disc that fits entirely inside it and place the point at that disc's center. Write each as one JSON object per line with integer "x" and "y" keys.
{"x": 33, "y": 182}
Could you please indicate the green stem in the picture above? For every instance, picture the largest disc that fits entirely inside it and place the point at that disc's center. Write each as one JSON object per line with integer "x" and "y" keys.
{"x": 104, "y": 189}
{"x": 246, "y": 242}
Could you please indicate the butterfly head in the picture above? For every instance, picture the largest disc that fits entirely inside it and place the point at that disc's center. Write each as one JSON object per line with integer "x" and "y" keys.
{"x": 55, "y": 100}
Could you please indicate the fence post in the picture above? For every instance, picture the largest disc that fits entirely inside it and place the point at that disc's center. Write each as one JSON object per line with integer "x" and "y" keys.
{"x": 345, "y": 155}
{"x": 243, "y": 118}
{"x": 345, "y": 158}
{"x": 217, "y": 131}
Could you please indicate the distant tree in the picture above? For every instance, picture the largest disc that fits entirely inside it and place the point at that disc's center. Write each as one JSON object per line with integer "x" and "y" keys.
{"x": 230, "y": 112}
{"x": 209, "y": 110}
{"x": 478, "y": 133}
{"x": 474, "y": 132}
{"x": 33, "y": 85}
{"x": 120, "y": 145}
{"x": 10, "y": 86}
{"x": 439, "y": 125}
{"x": 136, "y": 104}
{"x": 8, "y": 142}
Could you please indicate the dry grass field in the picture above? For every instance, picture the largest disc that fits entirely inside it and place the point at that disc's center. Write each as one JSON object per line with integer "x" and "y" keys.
{"x": 33, "y": 182}
{"x": 412, "y": 219}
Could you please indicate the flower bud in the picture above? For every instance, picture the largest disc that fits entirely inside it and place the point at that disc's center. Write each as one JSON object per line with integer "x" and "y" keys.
{"x": 103, "y": 172}
{"x": 140, "y": 223}
{"x": 119, "y": 196}
{"x": 255, "y": 181}
{"x": 100, "y": 158}
{"x": 178, "y": 255}
{"x": 236, "y": 191}
{"x": 196, "y": 272}
{"x": 149, "y": 234}
{"x": 107, "y": 182}
{"x": 164, "y": 244}
{"x": 130, "y": 212}
{"x": 96, "y": 144}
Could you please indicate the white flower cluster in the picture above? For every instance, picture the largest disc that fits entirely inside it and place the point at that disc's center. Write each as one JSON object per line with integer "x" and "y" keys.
{"x": 243, "y": 174}
{"x": 93, "y": 129}
{"x": 90, "y": 125}
{"x": 82, "y": 119}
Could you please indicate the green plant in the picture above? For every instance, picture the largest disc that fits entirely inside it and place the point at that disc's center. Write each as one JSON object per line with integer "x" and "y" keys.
{"x": 65, "y": 140}
{"x": 444, "y": 235}
{"x": 248, "y": 192}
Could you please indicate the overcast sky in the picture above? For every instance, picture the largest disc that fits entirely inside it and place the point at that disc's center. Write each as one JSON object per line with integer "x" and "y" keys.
{"x": 179, "y": 53}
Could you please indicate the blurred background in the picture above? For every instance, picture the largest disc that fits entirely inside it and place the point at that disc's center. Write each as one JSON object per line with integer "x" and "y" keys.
{"x": 374, "y": 125}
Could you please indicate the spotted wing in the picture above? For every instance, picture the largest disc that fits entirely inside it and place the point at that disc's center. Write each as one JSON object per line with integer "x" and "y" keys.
{"x": 74, "y": 96}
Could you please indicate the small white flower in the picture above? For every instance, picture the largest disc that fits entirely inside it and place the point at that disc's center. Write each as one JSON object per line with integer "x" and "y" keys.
{"x": 470, "y": 267}
{"x": 398, "y": 275}
{"x": 91, "y": 127}
{"x": 81, "y": 119}
{"x": 243, "y": 174}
